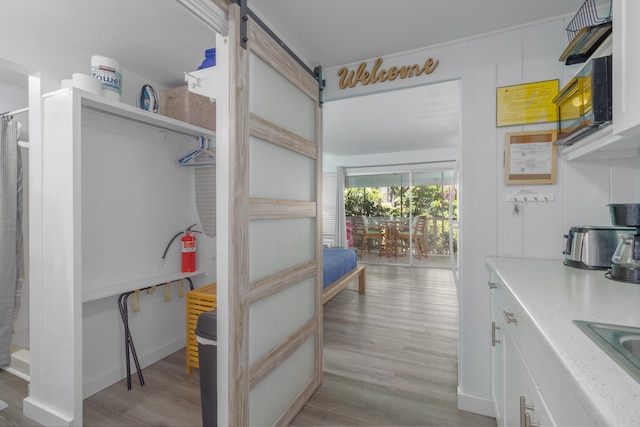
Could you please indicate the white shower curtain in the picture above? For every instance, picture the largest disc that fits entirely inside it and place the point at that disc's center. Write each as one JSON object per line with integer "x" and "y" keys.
{"x": 341, "y": 222}
{"x": 11, "y": 259}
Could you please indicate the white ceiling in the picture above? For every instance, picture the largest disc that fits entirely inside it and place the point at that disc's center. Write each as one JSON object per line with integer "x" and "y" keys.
{"x": 158, "y": 39}
{"x": 338, "y": 32}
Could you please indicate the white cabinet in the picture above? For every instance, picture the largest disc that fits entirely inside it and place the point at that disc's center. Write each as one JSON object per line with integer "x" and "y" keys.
{"x": 110, "y": 198}
{"x": 497, "y": 362}
{"x": 523, "y": 404}
{"x": 516, "y": 398}
{"x": 580, "y": 384}
{"x": 529, "y": 386}
{"x": 626, "y": 63}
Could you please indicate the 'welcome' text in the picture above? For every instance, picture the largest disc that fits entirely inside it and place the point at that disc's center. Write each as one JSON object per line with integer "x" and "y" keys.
{"x": 377, "y": 74}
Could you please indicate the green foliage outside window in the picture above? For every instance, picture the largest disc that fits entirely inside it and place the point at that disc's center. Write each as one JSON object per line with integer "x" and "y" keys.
{"x": 431, "y": 201}
{"x": 364, "y": 201}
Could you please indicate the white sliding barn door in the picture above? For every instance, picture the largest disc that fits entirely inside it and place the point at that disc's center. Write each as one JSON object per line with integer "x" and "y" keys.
{"x": 275, "y": 246}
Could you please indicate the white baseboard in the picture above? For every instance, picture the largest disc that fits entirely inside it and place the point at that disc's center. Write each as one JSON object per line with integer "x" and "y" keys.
{"x": 44, "y": 415}
{"x": 475, "y": 404}
{"x": 17, "y": 373}
{"x": 20, "y": 363}
{"x": 114, "y": 374}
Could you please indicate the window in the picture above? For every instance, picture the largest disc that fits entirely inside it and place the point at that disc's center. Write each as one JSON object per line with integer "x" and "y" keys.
{"x": 404, "y": 193}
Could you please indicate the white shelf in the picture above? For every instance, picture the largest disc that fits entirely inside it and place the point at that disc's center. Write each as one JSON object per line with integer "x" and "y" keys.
{"x": 210, "y": 81}
{"x": 204, "y": 82}
{"x": 603, "y": 144}
{"x": 125, "y": 111}
{"x": 135, "y": 284}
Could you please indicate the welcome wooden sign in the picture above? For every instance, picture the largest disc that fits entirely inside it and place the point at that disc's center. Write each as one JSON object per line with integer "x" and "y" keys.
{"x": 350, "y": 78}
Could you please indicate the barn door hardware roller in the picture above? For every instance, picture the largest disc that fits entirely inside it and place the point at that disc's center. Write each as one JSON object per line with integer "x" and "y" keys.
{"x": 317, "y": 72}
{"x": 245, "y": 13}
{"x": 244, "y": 23}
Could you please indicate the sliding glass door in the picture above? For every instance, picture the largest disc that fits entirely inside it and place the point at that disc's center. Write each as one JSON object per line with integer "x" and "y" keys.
{"x": 405, "y": 213}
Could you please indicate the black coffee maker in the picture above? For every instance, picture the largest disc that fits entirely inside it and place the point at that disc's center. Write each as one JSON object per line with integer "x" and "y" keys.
{"x": 625, "y": 263}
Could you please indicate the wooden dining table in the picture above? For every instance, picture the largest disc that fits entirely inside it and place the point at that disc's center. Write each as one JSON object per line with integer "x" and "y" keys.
{"x": 391, "y": 240}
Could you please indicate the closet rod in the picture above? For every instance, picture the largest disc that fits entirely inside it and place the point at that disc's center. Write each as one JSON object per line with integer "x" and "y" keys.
{"x": 13, "y": 113}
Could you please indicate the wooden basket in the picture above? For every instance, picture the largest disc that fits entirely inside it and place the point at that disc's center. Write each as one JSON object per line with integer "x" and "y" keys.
{"x": 198, "y": 301}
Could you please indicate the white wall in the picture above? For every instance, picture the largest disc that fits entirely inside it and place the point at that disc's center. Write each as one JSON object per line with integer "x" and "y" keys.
{"x": 35, "y": 51}
{"x": 583, "y": 189}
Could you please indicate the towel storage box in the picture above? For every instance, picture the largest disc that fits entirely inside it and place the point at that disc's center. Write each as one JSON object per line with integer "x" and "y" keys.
{"x": 181, "y": 104}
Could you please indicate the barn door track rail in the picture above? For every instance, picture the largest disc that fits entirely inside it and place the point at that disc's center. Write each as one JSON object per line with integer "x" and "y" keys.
{"x": 245, "y": 14}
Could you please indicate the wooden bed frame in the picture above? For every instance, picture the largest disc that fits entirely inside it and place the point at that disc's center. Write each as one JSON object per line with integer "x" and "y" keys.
{"x": 333, "y": 289}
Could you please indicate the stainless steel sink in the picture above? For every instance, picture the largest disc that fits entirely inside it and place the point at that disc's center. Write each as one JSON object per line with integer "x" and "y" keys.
{"x": 621, "y": 343}
{"x": 632, "y": 344}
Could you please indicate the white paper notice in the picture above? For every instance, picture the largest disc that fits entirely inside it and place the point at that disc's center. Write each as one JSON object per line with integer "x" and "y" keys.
{"x": 531, "y": 159}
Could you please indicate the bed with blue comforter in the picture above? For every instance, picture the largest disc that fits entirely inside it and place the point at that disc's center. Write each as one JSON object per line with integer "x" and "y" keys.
{"x": 340, "y": 267}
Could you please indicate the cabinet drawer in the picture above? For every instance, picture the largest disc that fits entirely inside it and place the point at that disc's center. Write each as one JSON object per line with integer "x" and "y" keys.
{"x": 518, "y": 323}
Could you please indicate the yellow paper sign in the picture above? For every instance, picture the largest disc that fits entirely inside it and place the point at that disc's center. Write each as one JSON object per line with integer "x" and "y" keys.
{"x": 526, "y": 103}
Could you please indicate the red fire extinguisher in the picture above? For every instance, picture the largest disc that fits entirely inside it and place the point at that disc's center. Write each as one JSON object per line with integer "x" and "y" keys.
{"x": 188, "y": 252}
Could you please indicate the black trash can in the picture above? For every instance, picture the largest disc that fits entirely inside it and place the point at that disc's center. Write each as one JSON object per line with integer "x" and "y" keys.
{"x": 208, "y": 359}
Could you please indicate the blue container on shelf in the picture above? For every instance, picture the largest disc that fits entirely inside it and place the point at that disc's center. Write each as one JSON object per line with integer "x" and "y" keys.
{"x": 209, "y": 59}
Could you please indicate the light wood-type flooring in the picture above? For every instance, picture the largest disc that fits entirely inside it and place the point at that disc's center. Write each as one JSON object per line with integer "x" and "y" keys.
{"x": 390, "y": 356}
{"x": 390, "y": 359}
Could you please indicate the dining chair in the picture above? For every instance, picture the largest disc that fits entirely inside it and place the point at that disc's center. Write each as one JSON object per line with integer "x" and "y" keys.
{"x": 418, "y": 235}
{"x": 367, "y": 233}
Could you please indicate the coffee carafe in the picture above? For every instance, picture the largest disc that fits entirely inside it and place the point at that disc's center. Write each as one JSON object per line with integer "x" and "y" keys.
{"x": 625, "y": 263}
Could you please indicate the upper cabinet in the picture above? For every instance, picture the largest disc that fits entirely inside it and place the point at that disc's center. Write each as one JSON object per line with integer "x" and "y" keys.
{"x": 626, "y": 63}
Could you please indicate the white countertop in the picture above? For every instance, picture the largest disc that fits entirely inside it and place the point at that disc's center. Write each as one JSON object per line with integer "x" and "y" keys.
{"x": 554, "y": 295}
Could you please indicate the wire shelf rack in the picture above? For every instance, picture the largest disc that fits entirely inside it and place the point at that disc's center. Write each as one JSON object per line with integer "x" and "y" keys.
{"x": 586, "y": 16}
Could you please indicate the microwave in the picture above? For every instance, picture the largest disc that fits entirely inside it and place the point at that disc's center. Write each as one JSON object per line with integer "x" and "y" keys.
{"x": 585, "y": 103}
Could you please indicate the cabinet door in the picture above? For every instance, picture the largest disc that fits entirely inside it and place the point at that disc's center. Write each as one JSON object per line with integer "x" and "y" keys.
{"x": 513, "y": 381}
{"x": 521, "y": 395}
{"x": 626, "y": 84}
{"x": 497, "y": 363}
